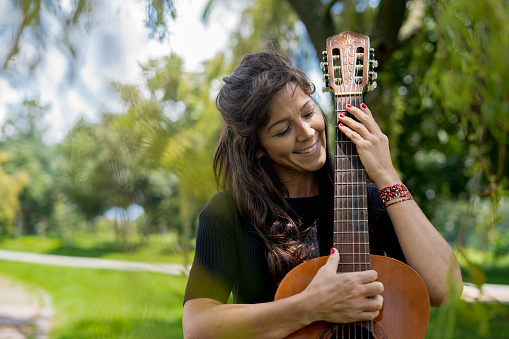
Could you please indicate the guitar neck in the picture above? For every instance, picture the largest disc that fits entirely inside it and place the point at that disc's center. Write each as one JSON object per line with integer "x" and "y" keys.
{"x": 351, "y": 236}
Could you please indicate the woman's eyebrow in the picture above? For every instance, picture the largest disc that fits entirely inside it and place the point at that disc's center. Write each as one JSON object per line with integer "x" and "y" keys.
{"x": 285, "y": 119}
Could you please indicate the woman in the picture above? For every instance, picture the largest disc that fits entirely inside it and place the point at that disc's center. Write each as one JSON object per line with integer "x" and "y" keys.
{"x": 272, "y": 158}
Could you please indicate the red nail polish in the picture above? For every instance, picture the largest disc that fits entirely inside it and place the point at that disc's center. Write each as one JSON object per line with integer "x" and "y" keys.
{"x": 364, "y": 106}
{"x": 348, "y": 105}
{"x": 341, "y": 125}
{"x": 341, "y": 115}
{"x": 332, "y": 250}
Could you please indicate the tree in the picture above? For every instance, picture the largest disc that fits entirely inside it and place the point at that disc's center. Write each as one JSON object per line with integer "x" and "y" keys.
{"x": 29, "y": 156}
{"x": 10, "y": 188}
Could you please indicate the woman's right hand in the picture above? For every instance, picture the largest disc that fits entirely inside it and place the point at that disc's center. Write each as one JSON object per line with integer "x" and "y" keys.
{"x": 346, "y": 297}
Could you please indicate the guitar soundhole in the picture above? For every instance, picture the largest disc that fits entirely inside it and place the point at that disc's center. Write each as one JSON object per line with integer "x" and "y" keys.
{"x": 348, "y": 331}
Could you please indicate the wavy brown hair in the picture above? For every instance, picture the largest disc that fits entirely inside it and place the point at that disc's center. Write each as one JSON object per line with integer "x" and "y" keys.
{"x": 244, "y": 102}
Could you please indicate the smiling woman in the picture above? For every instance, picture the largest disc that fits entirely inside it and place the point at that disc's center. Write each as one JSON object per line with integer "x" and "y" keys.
{"x": 277, "y": 208}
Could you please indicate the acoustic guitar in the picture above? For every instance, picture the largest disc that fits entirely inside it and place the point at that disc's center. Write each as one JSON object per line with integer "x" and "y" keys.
{"x": 349, "y": 71}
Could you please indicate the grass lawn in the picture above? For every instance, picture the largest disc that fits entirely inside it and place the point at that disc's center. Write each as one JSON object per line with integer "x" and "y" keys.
{"x": 93, "y": 303}
{"x": 109, "y": 304}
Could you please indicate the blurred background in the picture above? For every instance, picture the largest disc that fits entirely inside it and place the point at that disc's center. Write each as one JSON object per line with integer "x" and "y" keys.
{"x": 108, "y": 127}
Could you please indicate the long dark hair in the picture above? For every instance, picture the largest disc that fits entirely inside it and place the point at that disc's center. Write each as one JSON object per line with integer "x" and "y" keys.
{"x": 244, "y": 102}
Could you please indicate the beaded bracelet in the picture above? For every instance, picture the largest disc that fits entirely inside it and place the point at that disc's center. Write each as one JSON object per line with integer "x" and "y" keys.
{"x": 392, "y": 203}
{"x": 394, "y": 191}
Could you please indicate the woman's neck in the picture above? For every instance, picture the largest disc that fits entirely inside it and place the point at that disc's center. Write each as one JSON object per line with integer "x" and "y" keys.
{"x": 300, "y": 186}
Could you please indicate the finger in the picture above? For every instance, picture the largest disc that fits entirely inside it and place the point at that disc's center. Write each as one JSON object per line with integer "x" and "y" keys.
{"x": 368, "y": 316}
{"x": 372, "y": 304}
{"x": 351, "y": 127}
{"x": 368, "y": 276}
{"x": 373, "y": 289}
{"x": 364, "y": 116}
{"x": 333, "y": 261}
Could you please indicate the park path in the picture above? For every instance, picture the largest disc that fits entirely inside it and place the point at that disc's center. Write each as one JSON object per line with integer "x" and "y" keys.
{"x": 22, "y": 315}
{"x": 25, "y": 314}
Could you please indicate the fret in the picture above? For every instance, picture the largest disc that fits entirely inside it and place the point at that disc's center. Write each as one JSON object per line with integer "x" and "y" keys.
{"x": 354, "y": 254}
{"x": 350, "y": 232}
{"x": 349, "y": 221}
{"x": 341, "y": 94}
{"x": 350, "y": 170}
{"x": 348, "y": 156}
{"x": 350, "y": 208}
{"x": 349, "y": 196}
{"x": 351, "y": 243}
{"x": 350, "y": 183}
{"x": 357, "y": 263}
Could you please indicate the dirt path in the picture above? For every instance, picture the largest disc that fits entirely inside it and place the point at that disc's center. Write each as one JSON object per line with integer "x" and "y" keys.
{"x": 23, "y": 312}
{"x": 122, "y": 265}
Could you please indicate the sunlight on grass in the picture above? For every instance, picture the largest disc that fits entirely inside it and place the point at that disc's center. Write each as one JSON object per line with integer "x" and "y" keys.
{"x": 107, "y": 304}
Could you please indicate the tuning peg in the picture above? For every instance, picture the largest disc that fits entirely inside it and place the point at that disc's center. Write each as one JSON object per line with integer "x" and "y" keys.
{"x": 324, "y": 56}
{"x": 326, "y": 79}
{"x": 325, "y": 67}
{"x": 373, "y": 75}
{"x": 326, "y": 89}
{"x": 374, "y": 62}
{"x": 372, "y": 86}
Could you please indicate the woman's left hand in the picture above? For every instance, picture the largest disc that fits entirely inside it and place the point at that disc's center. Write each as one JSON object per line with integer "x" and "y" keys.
{"x": 372, "y": 145}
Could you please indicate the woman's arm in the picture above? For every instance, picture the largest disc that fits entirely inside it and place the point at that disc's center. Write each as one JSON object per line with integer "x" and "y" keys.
{"x": 424, "y": 248}
{"x": 332, "y": 297}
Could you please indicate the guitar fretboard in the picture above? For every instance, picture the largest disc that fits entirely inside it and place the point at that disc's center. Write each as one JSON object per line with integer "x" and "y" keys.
{"x": 351, "y": 236}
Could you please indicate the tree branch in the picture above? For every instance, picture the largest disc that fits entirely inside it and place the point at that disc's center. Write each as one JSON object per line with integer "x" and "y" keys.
{"x": 384, "y": 37}
{"x": 318, "y": 21}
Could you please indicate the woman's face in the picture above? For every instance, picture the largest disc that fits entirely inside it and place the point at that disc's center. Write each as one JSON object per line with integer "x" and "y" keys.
{"x": 294, "y": 138}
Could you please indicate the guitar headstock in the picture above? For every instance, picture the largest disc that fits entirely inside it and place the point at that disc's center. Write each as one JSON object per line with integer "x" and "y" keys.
{"x": 348, "y": 64}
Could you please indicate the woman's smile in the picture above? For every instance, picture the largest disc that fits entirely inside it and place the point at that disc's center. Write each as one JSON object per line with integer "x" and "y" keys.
{"x": 309, "y": 150}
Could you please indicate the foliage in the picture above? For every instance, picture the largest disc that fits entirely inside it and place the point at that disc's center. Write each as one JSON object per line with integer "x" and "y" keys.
{"x": 467, "y": 77}
{"x": 10, "y": 187}
{"x": 53, "y": 21}
{"x": 30, "y": 157}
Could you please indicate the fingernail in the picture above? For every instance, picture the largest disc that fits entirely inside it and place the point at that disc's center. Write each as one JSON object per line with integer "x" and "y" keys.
{"x": 348, "y": 105}
{"x": 341, "y": 115}
{"x": 341, "y": 125}
{"x": 364, "y": 106}
{"x": 332, "y": 250}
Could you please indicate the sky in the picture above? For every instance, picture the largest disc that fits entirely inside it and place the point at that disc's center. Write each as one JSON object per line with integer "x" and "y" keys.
{"x": 112, "y": 51}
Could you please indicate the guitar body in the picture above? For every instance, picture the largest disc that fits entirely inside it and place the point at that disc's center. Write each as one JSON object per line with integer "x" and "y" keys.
{"x": 405, "y": 313}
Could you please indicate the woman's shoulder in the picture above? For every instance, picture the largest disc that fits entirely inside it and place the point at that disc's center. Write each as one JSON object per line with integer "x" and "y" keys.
{"x": 221, "y": 200}
{"x": 220, "y": 208}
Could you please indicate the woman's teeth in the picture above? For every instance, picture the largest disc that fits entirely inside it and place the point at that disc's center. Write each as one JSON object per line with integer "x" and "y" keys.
{"x": 308, "y": 150}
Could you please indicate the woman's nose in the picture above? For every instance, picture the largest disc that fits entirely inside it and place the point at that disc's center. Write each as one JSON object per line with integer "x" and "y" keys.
{"x": 305, "y": 132}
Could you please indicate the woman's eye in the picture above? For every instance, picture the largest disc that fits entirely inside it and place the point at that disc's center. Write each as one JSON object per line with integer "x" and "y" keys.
{"x": 310, "y": 113}
{"x": 284, "y": 132}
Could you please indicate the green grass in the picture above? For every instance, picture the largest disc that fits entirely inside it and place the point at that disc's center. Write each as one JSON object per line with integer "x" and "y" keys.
{"x": 110, "y": 304}
{"x": 93, "y": 303}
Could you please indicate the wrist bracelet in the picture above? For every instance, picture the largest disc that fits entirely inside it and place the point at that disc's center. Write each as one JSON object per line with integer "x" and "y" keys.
{"x": 395, "y": 202}
{"x": 392, "y": 192}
